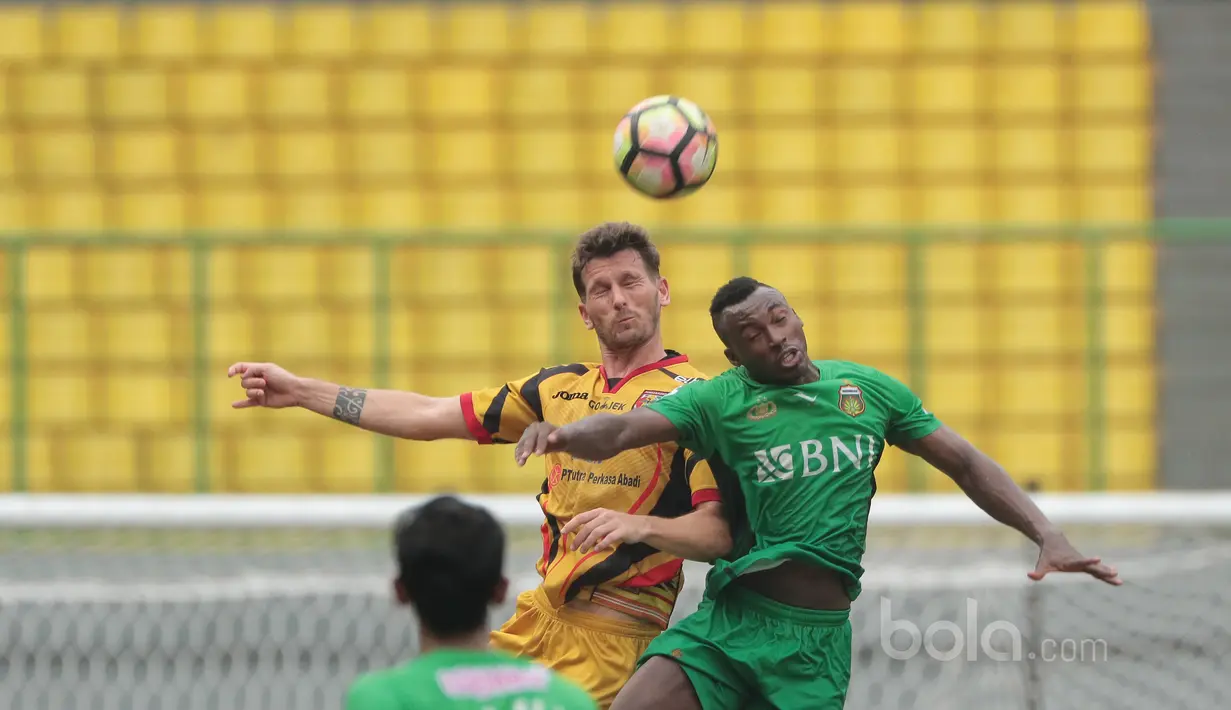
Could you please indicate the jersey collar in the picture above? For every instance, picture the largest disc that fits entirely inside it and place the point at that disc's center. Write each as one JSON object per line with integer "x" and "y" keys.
{"x": 613, "y": 386}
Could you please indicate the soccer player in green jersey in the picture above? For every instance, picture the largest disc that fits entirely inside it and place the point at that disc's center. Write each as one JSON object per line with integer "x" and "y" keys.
{"x": 803, "y": 438}
{"x": 450, "y": 558}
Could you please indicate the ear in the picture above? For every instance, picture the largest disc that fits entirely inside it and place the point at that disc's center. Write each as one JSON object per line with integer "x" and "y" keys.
{"x": 585, "y": 316}
{"x": 400, "y": 593}
{"x": 501, "y": 592}
{"x": 731, "y": 357}
{"x": 664, "y": 292}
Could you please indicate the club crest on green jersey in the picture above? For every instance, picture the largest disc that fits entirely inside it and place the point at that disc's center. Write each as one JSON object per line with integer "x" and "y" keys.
{"x": 763, "y": 409}
{"x": 850, "y": 400}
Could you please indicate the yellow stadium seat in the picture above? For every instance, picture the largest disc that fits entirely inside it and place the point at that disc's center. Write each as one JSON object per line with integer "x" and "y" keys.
{"x": 613, "y": 90}
{"x": 1033, "y": 457}
{"x": 224, "y": 152}
{"x": 1131, "y": 458}
{"x": 53, "y": 93}
{"x": 1019, "y": 27}
{"x": 465, "y": 153}
{"x": 98, "y": 463}
{"x": 641, "y": 30}
{"x": 21, "y": 36}
{"x": 232, "y": 330}
{"x": 1026, "y": 89}
{"x": 144, "y": 154}
{"x": 58, "y": 154}
{"x": 154, "y": 210}
{"x": 867, "y": 90}
{"x": 1129, "y": 330}
{"x": 397, "y": 30}
{"x": 321, "y": 31}
{"x": 347, "y": 273}
{"x": 348, "y": 461}
{"x": 711, "y": 88}
{"x": 169, "y": 462}
{"x": 221, "y": 93}
{"x": 528, "y": 273}
{"x": 462, "y": 331}
{"x": 8, "y": 157}
{"x": 789, "y": 206}
{"x": 872, "y": 270}
{"x": 869, "y": 333}
{"x": 1128, "y": 266}
{"x": 297, "y": 93}
{"x": 1035, "y": 268}
{"x": 73, "y": 210}
{"x": 1119, "y": 88}
{"x": 949, "y": 26}
{"x": 1115, "y": 203}
{"x": 1022, "y": 204}
{"x": 958, "y": 205}
{"x": 558, "y": 28}
{"x": 952, "y": 270}
{"x": 378, "y": 92}
{"x": 1024, "y": 329}
{"x": 1123, "y": 149}
{"x": 541, "y": 91}
{"x": 870, "y": 205}
{"x": 146, "y": 399}
{"x": 166, "y": 31}
{"x": 784, "y": 91}
{"x": 135, "y": 94}
{"x": 305, "y": 153}
{"x": 1030, "y": 150}
{"x": 274, "y": 462}
{"x": 690, "y": 335}
{"x": 59, "y": 397}
{"x": 949, "y": 151}
{"x": 454, "y": 93}
{"x": 946, "y": 90}
{"x": 234, "y": 208}
{"x": 524, "y": 332}
{"x": 87, "y": 32}
{"x": 435, "y": 467}
{"x": 537, "y": 154}
{"x": 1120, "y": 26}
{"x": 1133, "y": 394}
{"x": 798, "y": 29}
{"x": 460, "y": 272}
{"x": 241, "y": 31}
{"x": 58, "y": 335}
{"x": 302, "y": 333}
{"x": 296, "y": 277}
{"x": 693, "y": 271}
{"x": 479, "y": 29}
{"x": 49, "y": 274}
{"x": 390, "y": 208}
{"x": 864, "y": 151}
{"x": 713, "y": 28}
{"x": 120, "y": 273}
{"x": 792, "y": 268}
{"x": 313, "y": 209}
{"x": 14, "y": 211}
{"x": 953, "y": 391}
{"x": 560, "y": 208}
{"x": 876, "y": 27}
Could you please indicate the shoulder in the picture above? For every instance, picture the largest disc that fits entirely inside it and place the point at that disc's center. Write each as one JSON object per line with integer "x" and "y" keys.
{"x": 374, "y": 691}
{"x": 858, "y": 372}
{"x": 558, "y": 375}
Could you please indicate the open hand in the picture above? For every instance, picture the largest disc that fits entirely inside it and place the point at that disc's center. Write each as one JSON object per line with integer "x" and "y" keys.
{"x": 603, "y": 529}
{"x": 539, "y": 438}
{"x": 265, "y": 385}
{"x": 1058, "y": 555}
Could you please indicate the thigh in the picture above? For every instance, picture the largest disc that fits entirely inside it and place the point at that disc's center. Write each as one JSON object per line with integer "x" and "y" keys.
{"x": 809, "y": 668}
{"x": 659, "y": 683}
{"x": 693, "y": 657}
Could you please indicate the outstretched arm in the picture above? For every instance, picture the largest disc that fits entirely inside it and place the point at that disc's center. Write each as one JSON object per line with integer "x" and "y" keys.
{"x": 598, "y": 436}
{"x": 407, "y": 415}
{"x": 987, "y": 484}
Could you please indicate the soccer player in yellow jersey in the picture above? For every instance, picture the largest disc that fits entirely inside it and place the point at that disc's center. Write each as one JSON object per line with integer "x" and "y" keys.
{"x": 596, "y": 610}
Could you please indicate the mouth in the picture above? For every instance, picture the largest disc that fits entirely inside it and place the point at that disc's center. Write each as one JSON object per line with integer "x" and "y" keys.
{"x": 790, "y": 357}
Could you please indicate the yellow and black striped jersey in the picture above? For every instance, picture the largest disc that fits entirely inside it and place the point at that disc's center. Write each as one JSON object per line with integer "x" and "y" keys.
{"x": 663, "y": 480}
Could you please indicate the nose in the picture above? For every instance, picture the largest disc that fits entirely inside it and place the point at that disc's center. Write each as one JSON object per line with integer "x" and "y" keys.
{"x": 618, "y": 298}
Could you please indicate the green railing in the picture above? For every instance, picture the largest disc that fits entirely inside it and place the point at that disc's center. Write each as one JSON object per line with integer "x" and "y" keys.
{"x": 200, "y": 250}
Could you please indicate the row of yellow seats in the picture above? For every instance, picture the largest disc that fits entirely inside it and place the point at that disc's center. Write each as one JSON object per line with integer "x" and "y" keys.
{"x": 789, "y": 202}
{"x": 326, "y": 460}
{"x": 497, "y": 29}
{"x": 550, "y": 155}
{"x": 563, "y": 97}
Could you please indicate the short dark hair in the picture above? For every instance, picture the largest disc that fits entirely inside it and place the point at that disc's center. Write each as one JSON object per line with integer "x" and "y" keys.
{"x": 450, "y": 558}
{"x": 609, "y": 239}
{"x": 733, "y": 292}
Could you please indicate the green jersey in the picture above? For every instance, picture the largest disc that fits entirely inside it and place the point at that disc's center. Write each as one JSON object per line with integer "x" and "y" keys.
{"x": 804, "y": 457}
{"x": 454, "y": 679}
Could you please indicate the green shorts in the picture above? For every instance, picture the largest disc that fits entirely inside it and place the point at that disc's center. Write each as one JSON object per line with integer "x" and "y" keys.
{"x": 745, "y": 650}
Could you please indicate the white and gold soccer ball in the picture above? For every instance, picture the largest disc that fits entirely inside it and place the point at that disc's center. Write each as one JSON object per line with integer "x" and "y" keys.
{"x": 666, "y": 146}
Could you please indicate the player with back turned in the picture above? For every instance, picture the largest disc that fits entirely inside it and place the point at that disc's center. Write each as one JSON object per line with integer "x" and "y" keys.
{"x": 804, "y": 438}
{"x": 596, "y": 610}
{"x": 450, "y": 569}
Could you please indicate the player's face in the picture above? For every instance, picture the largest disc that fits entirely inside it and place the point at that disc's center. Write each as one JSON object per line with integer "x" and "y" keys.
{"x": 623, "y": 300}
{"x": 765, "y": 335}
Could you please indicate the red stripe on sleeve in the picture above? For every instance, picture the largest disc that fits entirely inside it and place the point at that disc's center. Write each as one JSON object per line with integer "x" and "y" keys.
{"x": 706, "y": 495}
{"x": 472, "y": 421}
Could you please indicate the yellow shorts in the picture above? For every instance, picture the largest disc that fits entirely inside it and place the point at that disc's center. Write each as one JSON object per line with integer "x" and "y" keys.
{"x": 598, "y": 653}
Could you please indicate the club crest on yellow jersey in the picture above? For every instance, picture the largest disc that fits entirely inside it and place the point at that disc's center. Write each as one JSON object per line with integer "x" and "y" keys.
{"x": 850, "y": 400}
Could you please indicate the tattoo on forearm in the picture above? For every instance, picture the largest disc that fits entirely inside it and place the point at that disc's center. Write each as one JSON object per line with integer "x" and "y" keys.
{"x": 348, "y": 407}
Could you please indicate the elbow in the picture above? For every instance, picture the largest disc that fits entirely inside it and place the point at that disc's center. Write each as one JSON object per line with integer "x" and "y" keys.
{"x": 721, "y": 548}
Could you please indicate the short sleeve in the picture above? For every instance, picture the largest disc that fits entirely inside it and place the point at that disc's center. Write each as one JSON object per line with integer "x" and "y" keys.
{"x": 500, "y": 415}
{"x": 688, "y": 408}
{"x": 908, "y": 420}
{"x": 701, "y": 480}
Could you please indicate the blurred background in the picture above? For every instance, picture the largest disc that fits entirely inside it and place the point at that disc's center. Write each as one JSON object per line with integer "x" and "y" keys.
{"x": 1019, "y": 208}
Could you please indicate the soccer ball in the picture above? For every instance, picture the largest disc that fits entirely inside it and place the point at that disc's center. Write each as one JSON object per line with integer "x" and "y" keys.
{"x": 666, "y": 147}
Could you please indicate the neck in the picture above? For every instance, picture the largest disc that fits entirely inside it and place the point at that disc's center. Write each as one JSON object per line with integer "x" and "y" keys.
{"x": 808, "y": 375}
{"x": 618, "y": 363}
{"x": 477, "y": 640}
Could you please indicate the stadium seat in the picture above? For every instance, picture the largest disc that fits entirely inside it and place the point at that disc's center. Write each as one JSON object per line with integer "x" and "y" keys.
{"x": 138, "y": 397}
{"x": 296, "y": 93}
{"x": 223, "y": 153}
{"x": 347, "y": 462}
{"x": 798, "y": 29}
{"x": 9, "y": 140}
{"x": 212, "y": 94}
{"x": 1026, "y": 89}
{"x": 870, "y": 28}
{"x": 1113, "y": 88}
{"x": 863, "y": 91}
{"x": 348, "y": 276}
{"x": 1119, "y": 26}
{"x": 72, "y": 210}
{"x": 274, "y": 462}
{"x": 945, "y": 90}
{"x": 378, "y": 92}
{"x": 474, "y": 208}
{"x": 783, "y": 91}
{"x": 321, "y": 32}
{"x": 557, "y": 29}
{"x": 153, "y": 210}
{"x": 59, "y": 154}
{"x": 713, "y": 88}
{"x": 241, "y": 31}
{"x": 864, "y": 151}
{"x": 169, "y": 459}
{"x": 794, "y": 151}
{"x": 97, "y": 462}
{"x": 52, "y": 93}
{"x": 49, "y": 274}
{"x": 458, "y": 93}
{"x": 953, "y": 389}
{"x": 305, "y": 153}
{"x": 56, "y": 334}
{"x": 385, "y": 209}
{"x": 90, "y": 32}
{"x": 948, "y": 27}
{"x": 477, "y": 29}
{"x": 1034, "y": 268}
{"x": 714, "y": 29}
{"x": 296, "y": 276}
{"x": 135, "y": 94}
{"x": 870, "y": 205}
{"x": 554, "y": 208}
{"x": 790, "y": 267}
{"x": 1029, "y": 150}
{"x": 536, "y": 155}
{"x": 439, "y": 467}
{"x": 233, "y": 208}
{"x": 1030, "y": 204}
{"x": 113, "y": 274}
{"x": 1128, "y": 267}
{"x": 142, "y": 155}
{"x": 949, "y": 152}
{"x": 543, "y": 92}
{"x": 641, "y": 30}
{"x": 165, "y": 31}
{"x": 1025, "y": 27}
{"x": 610, "y": 91}
{"x": 397, "y": 30}
{"x": 789, "y": 206}
{"x": 1110, "y": 204}
{"x": 1034, "y": 457}
{"x": 58, "y": 397}
{"x": 1121, "y": 149}
{"x": 21, "y": 35}
{"x": 524, "y": 331}
{"x": 959, "y": 205}
{"x": 1129, "y": 330}
{"x": 301, "y": 334}
{"x": 15, "y": 211}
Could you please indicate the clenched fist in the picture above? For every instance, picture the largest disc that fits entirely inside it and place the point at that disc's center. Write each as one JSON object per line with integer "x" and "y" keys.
{"x": 265, "y": 385}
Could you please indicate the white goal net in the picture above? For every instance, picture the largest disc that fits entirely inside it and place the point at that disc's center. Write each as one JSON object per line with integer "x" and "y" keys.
{"x": 217, "y": 603}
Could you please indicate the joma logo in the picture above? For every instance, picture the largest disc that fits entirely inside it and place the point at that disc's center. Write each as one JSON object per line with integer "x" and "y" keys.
{"x": 779, "y": 463}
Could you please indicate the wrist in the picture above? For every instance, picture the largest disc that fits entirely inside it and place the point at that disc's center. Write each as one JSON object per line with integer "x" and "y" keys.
{"x": 314, "y": 395}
